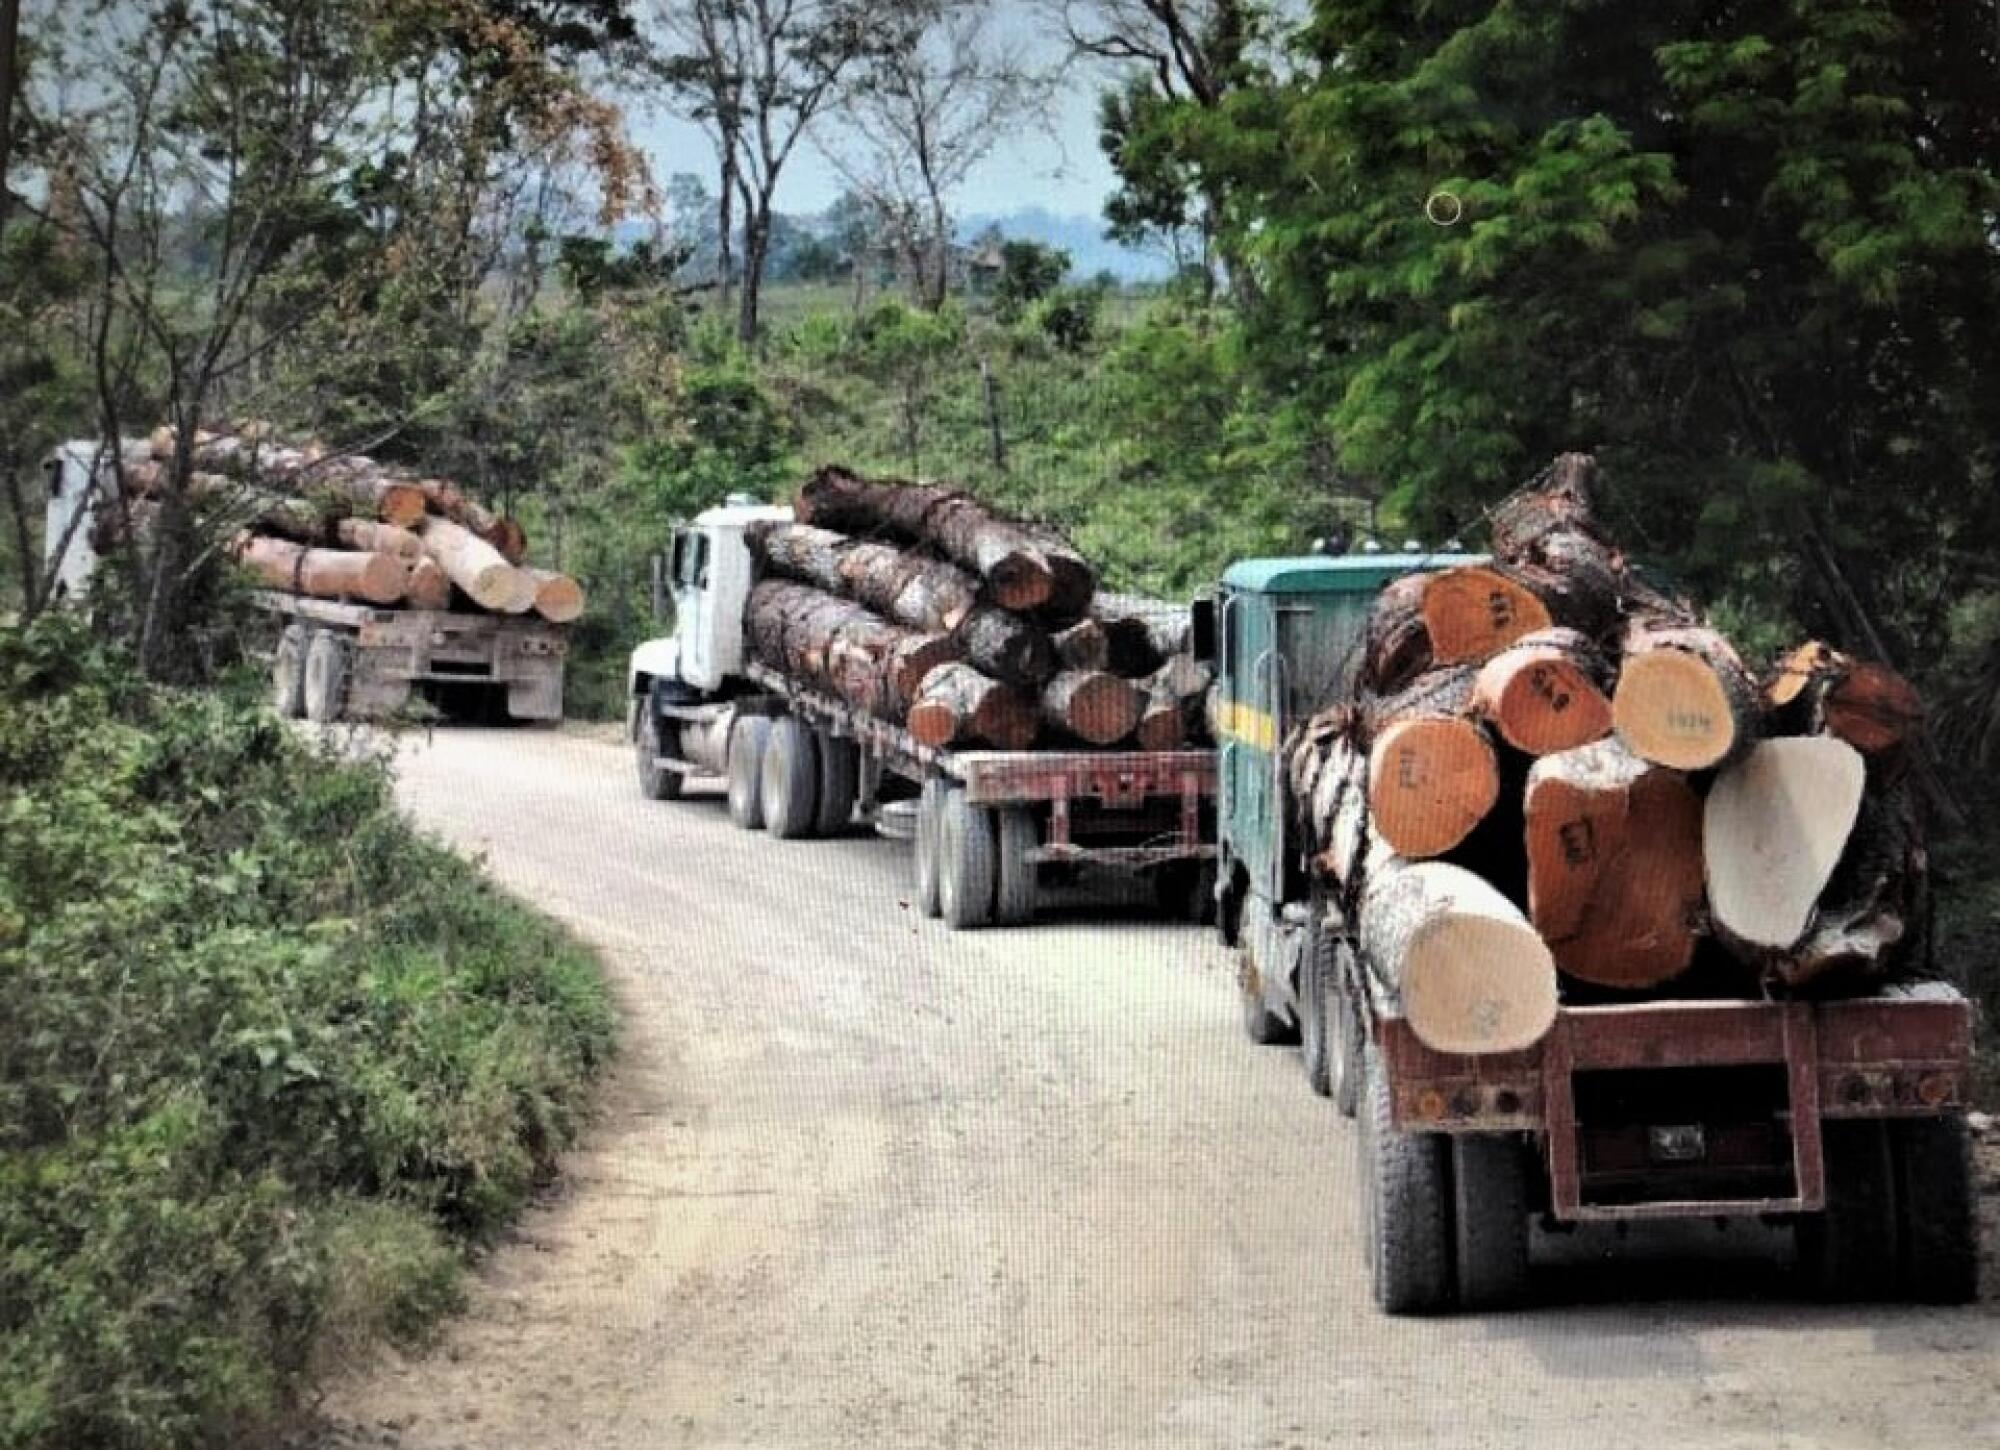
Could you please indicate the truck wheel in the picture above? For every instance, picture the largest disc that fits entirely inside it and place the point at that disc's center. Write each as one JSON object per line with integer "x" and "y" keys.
{"x": 656, "y": 782}
{"x": 747, "y": 740}
{"x": 1938, "y": 1207}
{"x": 1316, "y": 988}
{"x": 1490, "y": 1209}
{"x": 1406, "y": 1205}
{"x": 930, "y": 828}
{"x": 288, "y": 672}
{"x": 1346, "y": 1034}
{"x": 791, "y": 780}
{"x": 326, "y": 677}
{"x": 1014, "y": 894}
{"x": 1848, "y": 1251}
{"x": 839, "y": 780}
{"x": 966, "y": 864}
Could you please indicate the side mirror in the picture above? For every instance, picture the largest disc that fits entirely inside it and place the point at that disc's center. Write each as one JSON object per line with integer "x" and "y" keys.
{"x": 1202, "y": 629}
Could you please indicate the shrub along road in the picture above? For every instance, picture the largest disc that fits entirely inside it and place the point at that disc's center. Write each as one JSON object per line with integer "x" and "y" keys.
{"x": 864, "y": 1182}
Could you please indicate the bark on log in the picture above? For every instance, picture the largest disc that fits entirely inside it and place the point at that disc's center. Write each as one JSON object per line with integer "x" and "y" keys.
{"x": 1871, "y": 910}
{"x": 1774, "y": 827}
{"x": 1097, "y": 707}
{"x": 1683, "y": 698}
{"x": 1186, "y": 682}
{"x": 477, "y": 568}
{"x": 1433, "y": 774}
{"x": 1399, "y": 646}
{"x": 379, "y": 537}
{"x": 1010, "y": 557}
{"x": 1128, "y": 645}
{"x": 1169, "y": 627}
{"x": 324, "y": 573}
{"x": 1472, "y": 975}
{"x": 358, "y": 482}
{"x": 1543, "y": 692}
{"x": 1073, "y": 583}
{"x": 1162, "y": 722}
{"x": 1474, "y": 611}
{"x": 958, "y": 705}
{"x": 430, "y": 586}
{"x": 503, "y": 534}
{"x": 1817, "y": 689}
{"x": 558, "y": 598}
{"x": 1083, "y": 646}
{"x": 841, "y": 647}
{"x": 1560, "y": 500}
{"x": 1614, "y": 865}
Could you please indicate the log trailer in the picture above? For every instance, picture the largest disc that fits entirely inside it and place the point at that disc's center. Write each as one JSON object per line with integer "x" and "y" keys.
{"x": 1842, "y": 1117}
{"x": 987, "y": 825}
{"x": 335, "y": 659}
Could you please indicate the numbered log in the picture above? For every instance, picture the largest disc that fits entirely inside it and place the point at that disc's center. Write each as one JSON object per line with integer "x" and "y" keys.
{"x": 1433, "y": 773}
{"x": 1683, "y": 697}
{"x": 1614, "y": 865}
{"x": 1774, "y": 827}
{"x": 1544, "y": 693}
{"x": 957, "y": 705}
{"x": 1474, "y": 611}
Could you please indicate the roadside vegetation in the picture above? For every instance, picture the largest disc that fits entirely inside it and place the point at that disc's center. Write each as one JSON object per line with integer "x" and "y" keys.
{"x": 271, "y": 1064}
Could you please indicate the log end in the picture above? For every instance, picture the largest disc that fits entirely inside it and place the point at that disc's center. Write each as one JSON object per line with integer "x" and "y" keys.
{"x": 1473, "y": 612}
{"x": 1430, "y": 781}
{"x": 401, "y": 504}
{"x": 1773, "y": 829}
{"x": 1474, "y": 983}
{"x": 1671, "y": 707}
{"x": 1542, "y": 700}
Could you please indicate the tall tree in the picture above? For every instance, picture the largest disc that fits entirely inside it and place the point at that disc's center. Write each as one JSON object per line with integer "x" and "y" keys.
{"x": 10, "y": 39}
{"x": 919, "y": 116}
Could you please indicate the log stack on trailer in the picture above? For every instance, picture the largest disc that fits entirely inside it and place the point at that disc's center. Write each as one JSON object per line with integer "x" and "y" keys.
{"x": 924, "y": 607}
{"x": 1555, "y": 783}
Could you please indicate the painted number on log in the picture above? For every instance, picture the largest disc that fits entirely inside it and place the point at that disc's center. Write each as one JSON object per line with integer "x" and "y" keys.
{"x": 1542, "y": 680}
{"x": 1690, "y": 722}
{"x": 1500, "y": 609}
{"x": 1579, "y": 842}
{"x": 1409, "y": 769}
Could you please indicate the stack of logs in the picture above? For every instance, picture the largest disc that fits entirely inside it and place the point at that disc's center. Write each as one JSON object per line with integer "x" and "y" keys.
{"x": 1553, "y": 781}
{"x": 925, "y": 608}
{"x": 344, "y": 527}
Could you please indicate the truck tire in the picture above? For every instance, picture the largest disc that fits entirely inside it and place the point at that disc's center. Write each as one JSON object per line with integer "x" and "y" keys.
{"x": 1848, "y": 1251}
{"x": 1017, "y": 834}
{"x": 326, "y": 677}
{"x": 747, "y": 740}
{"x": 790, "y": 780}
{"x": 288, "y": 672}
{"x": 656, "y": 782}
{"x": 1939, "y": 1208}
{"x": 1346, "y": 1034}
{"x": 1406, "y": 1205}
{"x": 1316, "y": 989}
{"x": 967, "y": 867}
{"x": 930, "y": 828}
{"x": 1490, "y": 1214}
{"x": 839, "y": 781}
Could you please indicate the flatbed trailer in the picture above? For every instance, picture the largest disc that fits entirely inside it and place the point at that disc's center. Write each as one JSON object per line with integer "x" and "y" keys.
{"x": 339, "y": 660}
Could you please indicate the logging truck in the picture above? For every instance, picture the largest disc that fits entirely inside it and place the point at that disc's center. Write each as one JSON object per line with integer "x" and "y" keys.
{"x": 343, "y": 657}
{"x": 1842, "y": 1117}
{"x": 988, "y": 826}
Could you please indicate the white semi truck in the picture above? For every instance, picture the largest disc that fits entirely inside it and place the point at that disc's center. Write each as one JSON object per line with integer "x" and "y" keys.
{"x": 987, "y": 825}
{"x": 334, "y": 659}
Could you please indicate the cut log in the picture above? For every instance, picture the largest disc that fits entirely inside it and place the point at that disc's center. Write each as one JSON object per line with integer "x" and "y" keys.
{"x": 1474, "y": 611}
{"x": 841, "y": 647}
{"x": 430, "y": 586}
{"x": 1169, "y": 627}
{"x": 1471, "y": 975}
{"x": 1186, "y": 682}
{"x": 356, "y": 482}
{"x": 1773, "y": 829}
{"x": 1083, "y": 646}
{"x": 558, "y": 598}
{"x": 958, "y": 705}
{"x": 1817, "y": 689}
{"x": 1683, "y": 697}
{"x": 379, "y": 537}
{"x": 1560, "y": 500}
{"x": 1433, "y": 774}
{"x": 1399, "y": 646}
{"x": 1872, "y": 908}
{"x": 1614, "y": 865}
{"x": 503, "y": 534}
{"x": 1543, "y": 692}
{"x": 1093, "y": 706}
{"x": 477, "y": 568}
{"x": 324, "y": 573}
{"x": 1009, "y": 556}
{"x": 1073, "y": 583}
{"x": 1162, "y": 722}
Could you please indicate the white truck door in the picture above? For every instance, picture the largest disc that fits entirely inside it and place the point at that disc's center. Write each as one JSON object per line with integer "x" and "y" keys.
{"x": 66, "y": 524}
{"x": 694, "y": 609}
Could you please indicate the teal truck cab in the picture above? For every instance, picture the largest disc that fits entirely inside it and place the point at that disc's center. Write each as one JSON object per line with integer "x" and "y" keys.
{"x": 1840, "y": 1118}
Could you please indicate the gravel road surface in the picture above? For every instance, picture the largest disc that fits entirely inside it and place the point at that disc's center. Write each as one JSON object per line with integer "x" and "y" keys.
{"x": 864, "y": 1182}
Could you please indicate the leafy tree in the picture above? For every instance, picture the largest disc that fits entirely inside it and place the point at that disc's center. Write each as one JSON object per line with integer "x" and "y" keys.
{"x": 1029, "y": 271}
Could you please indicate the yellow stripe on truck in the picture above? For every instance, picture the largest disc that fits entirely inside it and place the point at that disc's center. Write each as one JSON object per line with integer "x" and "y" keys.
{"x": 1247, "y": 725}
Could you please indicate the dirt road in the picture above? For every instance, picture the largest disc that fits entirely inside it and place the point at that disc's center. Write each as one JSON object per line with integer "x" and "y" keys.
{"x": 863, "y": 1182}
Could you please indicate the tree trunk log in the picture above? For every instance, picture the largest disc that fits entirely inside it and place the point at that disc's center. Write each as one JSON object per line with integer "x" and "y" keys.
{"x": 504, "y": 535}
{"x": 1470, "y": 973}
{"x": 1169, "y": 627}
{"x": 1473, "y": 612}
{"x": 1399, "y": 646}
{"x": 1560, "y": 501}
{"x": 1012, "y": 558}
{"x": 1683, "y": 697}
{"x": 324, "y": 573}
{"x": 1871, "y": 910}
{"x": 958, "y": 705}
{"x": 558, "y": 598}
{"x": 839, "y": 646}
{"x": 1543, "y": 693}
{"x": 1162, "y": 721}
{"x": 358, "y": 482}
{"x": 1614, "y": 865}
{"x": 1432, "y": 774}
{"x": 1084, "y": 646}
{"x": 380, "y": 537}
{"x": 1099, "y": 708}
{"x": 477, "y": 568}
{"x": 1774, "y": 827}
{"x": 1817, "y": 689}
{"x": 430, "y": 586}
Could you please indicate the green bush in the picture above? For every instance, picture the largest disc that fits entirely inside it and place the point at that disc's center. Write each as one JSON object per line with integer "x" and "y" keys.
{"x": 268, "y": 1060}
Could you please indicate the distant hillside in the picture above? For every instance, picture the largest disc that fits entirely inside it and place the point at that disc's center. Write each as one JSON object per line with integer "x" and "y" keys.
{"x": 1081, "y": 236}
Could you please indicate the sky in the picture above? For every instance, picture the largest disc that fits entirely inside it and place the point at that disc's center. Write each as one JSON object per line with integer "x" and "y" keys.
{"x": 1054, "y": 163}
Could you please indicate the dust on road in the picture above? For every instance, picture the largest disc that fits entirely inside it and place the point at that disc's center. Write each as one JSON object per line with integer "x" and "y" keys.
{"x": 865, "y": 1182}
